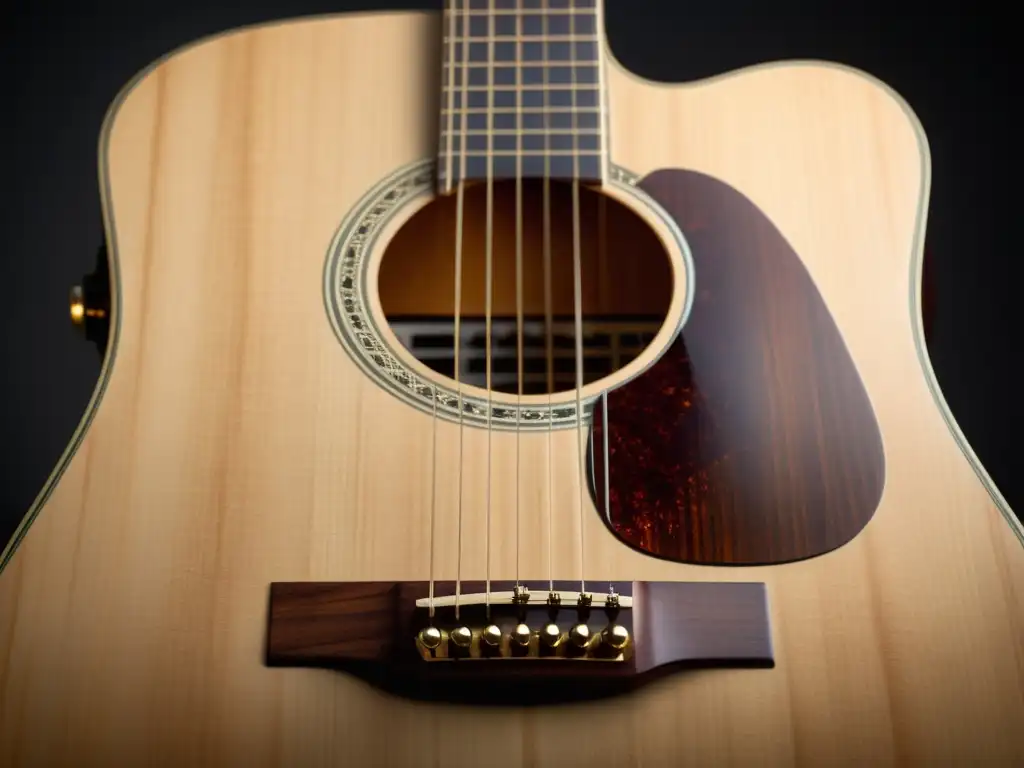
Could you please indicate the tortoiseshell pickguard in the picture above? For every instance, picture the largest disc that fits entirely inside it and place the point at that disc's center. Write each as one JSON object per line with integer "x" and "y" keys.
{"x": 752, "y": 440}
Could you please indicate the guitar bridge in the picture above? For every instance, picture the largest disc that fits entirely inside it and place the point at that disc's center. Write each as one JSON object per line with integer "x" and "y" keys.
{"x": 471, "y": 643}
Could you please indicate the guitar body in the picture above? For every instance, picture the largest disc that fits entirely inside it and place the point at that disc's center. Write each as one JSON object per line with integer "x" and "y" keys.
{"x": 234, "y": 441}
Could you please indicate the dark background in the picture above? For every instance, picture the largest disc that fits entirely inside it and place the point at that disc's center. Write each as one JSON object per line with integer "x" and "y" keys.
{"x": 60, "y": 68}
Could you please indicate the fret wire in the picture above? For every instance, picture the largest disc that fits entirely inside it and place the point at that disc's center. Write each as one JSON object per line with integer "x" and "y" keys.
{"x": 552, "y": 123}
{"x": 542, "y": 49}
{"x": 534, "y": 142}
{"x": 527, "y": 12}
{"x": 514, "y": 110}
{"x": 560, "y": 167}
{"x": 535, "y": 38}
{"x": 509, "y": 99}
{"x": 539, "y": 64}
{"x": 528, "y": 63}
{"x": 527, "y": 132}
{"x": 513, "y": 153}
{"x": 514, "y": 88}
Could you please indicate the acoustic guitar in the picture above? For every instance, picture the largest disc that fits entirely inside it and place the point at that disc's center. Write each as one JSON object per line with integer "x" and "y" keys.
{"x": 468, "y": 400}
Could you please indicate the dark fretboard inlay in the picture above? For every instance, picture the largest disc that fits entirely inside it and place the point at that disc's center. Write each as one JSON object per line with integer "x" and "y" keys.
{"x": 522, "y": 91}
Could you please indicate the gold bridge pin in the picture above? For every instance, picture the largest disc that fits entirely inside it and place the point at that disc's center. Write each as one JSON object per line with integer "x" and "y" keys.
{"x": 491, "y": 635}
{"x": 430, "y": 638}
{"x": 580, "y": 635}
{"x": 521, "y": 635}
{"x": 551, "y": 635}
{"x": 462, "y": 637}
{"x": 616, "y": 637}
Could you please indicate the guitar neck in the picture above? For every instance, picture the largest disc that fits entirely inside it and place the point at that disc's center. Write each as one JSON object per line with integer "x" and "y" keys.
{"x": 522, "y": 91}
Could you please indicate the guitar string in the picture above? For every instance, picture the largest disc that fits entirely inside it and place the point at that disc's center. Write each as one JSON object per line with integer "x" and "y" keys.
{"x": 602, "y": 238}
{"x": 602, "y": 303}
{"x": 603, "y": 259}
{"x": 433, "y": 498}
{"x": 447, "y": 186}
{"x": 577, "y": 307}
{"x": 602, "y": 241}
{"x": 577, "y": 268}
{"x": 519, "y": 281}
{"x": 549, "y": 320}
{"x": 459, "y": 212}
{"x": 489, "y": 290}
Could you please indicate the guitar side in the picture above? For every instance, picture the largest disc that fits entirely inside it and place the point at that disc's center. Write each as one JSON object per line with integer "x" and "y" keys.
{"x": 233, "y": 443}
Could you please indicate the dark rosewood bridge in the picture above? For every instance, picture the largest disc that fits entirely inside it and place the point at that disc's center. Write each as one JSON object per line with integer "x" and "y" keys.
{"x": 524, "y": 641}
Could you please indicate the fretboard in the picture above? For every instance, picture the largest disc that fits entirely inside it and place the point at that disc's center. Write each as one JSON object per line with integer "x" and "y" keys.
{"x": 522, "y": 92}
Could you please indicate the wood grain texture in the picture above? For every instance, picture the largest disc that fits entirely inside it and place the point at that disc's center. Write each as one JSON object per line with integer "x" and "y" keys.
{"x": 751, "y": 441}
{"x": 236, "y": 445}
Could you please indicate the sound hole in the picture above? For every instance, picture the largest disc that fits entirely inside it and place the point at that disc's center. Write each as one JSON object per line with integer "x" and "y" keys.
{"x": 626, "y": 286}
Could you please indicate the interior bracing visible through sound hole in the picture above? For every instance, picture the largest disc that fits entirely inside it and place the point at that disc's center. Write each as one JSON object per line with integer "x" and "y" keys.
{"x": 626, "y": 286}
